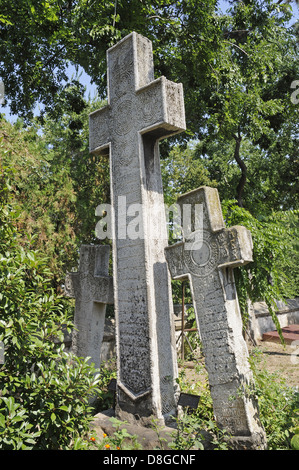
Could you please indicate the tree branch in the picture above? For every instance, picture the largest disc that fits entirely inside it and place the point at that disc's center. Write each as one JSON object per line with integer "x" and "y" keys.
{"x": 236, "y": 32}
{"x": 235, "y": 45}
{"x": 243, "y": 167}
{"x": 52, "y": 57}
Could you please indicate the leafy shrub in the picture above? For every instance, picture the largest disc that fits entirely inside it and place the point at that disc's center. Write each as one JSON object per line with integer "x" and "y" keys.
{"x": 47, "y": 409}
{"x": 44, "y": 391}
{"x": 295, "y": 442}
{"x": 278, "y": 408}
{"x": 272, "y": 274}
{"x": 278, "y": 405}
{"x": 105, "y": 397}
{"x": 120, "y": 439}
{"x": 196, "y": 425}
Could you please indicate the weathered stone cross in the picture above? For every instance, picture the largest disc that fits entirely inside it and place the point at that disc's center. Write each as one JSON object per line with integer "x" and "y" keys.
{"x": 93, "y": 290}
{"x": 207, "y": 256}
{"x": 140, "y": 111}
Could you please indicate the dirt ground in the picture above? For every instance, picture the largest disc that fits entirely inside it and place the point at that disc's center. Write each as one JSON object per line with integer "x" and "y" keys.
{"x": 275, "y": 358}
{"x": 283, "y": 360}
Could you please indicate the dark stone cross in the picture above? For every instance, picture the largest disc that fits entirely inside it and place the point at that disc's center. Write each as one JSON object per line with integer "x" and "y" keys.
{"x": 140, "y": 112}
{"x": 92, "y": 288}
{"x": 207, "y": 256}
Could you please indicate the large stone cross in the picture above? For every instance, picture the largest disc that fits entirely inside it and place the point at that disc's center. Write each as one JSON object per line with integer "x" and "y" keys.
{"x": 93, "y": 290}
{"x": 140, "y": 112}
{"x": 207, "y": 256}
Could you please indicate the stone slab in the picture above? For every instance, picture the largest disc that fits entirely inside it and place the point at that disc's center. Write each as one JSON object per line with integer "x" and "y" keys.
{"x": 148, "y": 437}
{"x": 290, "y": 334}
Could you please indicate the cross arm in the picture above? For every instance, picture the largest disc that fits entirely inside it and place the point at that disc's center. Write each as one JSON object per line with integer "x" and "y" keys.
{"x": 96, "y": 288}
{"x": 175, "y": 259}
{"x": 99, "y": 133}
{"x": 235, "y": 247}
{"x": 103, "y": 291}
{"x": 69, "y": 288}
{"x": 162, "y": 108}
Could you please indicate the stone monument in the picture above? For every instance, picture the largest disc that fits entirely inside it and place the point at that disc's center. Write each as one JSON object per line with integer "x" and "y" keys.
{"x": 140, "y": 112}
{"x": 93, "y": 290}
{"x": 207, "y": 256}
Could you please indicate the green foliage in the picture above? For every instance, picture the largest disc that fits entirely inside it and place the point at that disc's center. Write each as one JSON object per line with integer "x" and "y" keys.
{"x": 196, "y": 426}
{"x": 181, "y": 172}
{"x": 278, "y": 408}
{"x": 57, "y": 184}
{"x": 241, "y": 92}
{"x": 41, "y": 38}
{"x": 15, "y": 430}
{"x": 295, "y": 442}
{"x": 105, "y": 397}
{"x": 188, "y": 435}
{"x": 44, "y": 391}
{"x": 44, "y": 196}
{"x": 272, "y": 183}
{"x": 278, "y": 405}
{"x": 121, "y": 439}
{"x": 271, "y": 274}
{"x": 66, "y": 136}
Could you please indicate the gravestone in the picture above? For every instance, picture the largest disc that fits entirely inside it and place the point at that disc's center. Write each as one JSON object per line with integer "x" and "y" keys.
{"x": 93, "y": 290}
{"x": 207, "y": 256}
{"x": 2, "y": 358}
{"x": 140, "y": 112}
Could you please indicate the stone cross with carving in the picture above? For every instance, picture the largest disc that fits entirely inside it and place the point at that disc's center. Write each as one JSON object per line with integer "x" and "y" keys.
{"x": 93, "y": 290}
{"x": 207, "y": 256}
{"x": 140, "y": 112}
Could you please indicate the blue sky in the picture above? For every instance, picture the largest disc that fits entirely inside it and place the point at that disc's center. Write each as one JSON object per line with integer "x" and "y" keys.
{"x": 91, "y": 88}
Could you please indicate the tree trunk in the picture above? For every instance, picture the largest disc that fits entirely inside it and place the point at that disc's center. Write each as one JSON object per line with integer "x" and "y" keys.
{"x": 243, "y": 167}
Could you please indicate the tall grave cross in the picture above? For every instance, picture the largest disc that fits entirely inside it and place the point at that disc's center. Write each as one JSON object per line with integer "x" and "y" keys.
{"x": 207, "y": 256}
{"x": 93, "y": 290}
{"x": 140, "y": 112}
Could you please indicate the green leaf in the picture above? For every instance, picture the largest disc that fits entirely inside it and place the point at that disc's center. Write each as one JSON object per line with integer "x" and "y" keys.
{"x": 64, "y": 408}
{"x": 295, "y": 442}
{"x": 2, "y": 420}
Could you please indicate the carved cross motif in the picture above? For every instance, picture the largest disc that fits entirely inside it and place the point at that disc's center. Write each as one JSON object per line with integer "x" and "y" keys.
{"x": 140, "y": 112}
{"x": 93, "y": 290}
{"x": 207, "y": 257}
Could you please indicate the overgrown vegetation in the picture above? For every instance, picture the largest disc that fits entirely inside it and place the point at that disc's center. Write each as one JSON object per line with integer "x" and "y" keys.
{"x": 196, "y": 429}
{"x": 44, "y": 391}
{"x": 278, "y": 405}
{"x": 237, "y": 68}
{"x": 273, "y": 274}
